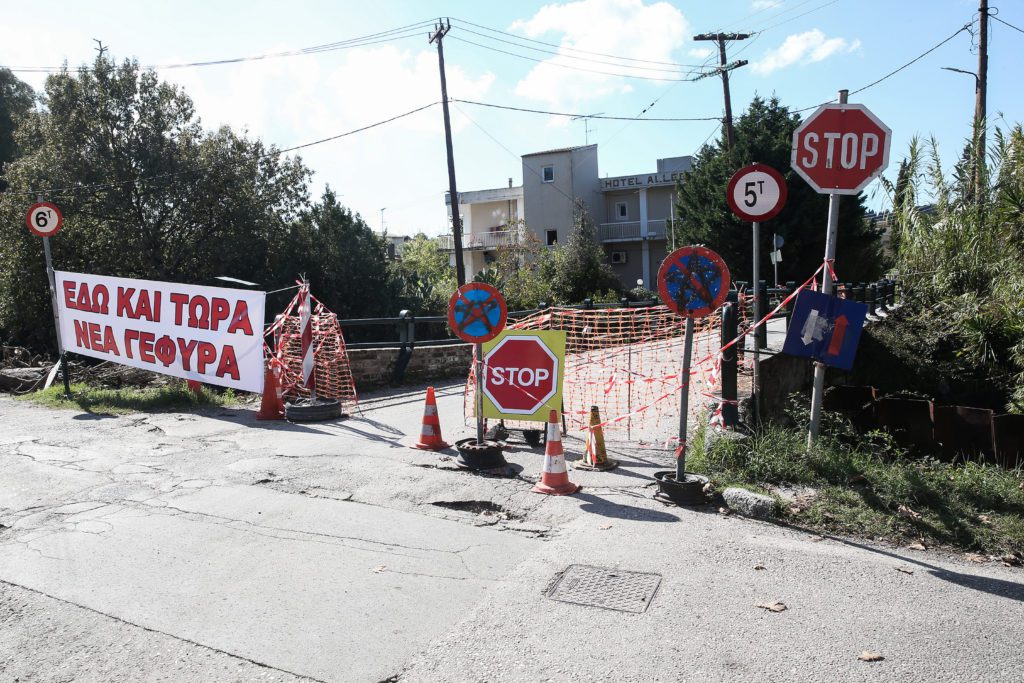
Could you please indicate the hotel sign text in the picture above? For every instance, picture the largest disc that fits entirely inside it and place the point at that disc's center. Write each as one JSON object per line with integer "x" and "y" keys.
{"x": 627, "y": 181}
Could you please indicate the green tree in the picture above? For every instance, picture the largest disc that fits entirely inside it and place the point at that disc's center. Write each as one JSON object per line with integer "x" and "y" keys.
{"x": 145, "y": 192}
{"x": 345, "y": 261}
{"x": 961, "y": 266}
{"x": 764, "y": 134}
{"x": 16, "y": 100}
{"x": 424, "y": 276}
{"x": 579, "y": 269}
{"x": 516, "y": 270}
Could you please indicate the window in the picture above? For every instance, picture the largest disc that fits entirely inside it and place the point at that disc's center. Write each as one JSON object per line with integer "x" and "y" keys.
{"x": 548, "y": 174}
{"x": 621, "y": 211}
{"x": 551, "y": 237}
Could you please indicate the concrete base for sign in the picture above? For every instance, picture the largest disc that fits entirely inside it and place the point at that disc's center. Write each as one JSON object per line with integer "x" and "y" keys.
{"x": 312, "y": 410}
{"x": 690, "y": 491}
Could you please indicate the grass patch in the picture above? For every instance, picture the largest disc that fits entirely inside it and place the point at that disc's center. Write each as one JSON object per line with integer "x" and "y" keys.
{"x": 868, "y": 486}
{"x": 98, "y": 400}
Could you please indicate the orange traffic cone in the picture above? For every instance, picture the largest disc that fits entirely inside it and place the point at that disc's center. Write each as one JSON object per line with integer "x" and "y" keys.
{"x": 430, "y": 434}
{"x": 554, "y": 480}
{"x": 272, "y": 406}
{"x": 595, "y": 455}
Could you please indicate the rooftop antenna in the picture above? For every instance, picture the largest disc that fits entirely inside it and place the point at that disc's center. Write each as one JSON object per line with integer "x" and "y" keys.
{"x": 586, "y": 124}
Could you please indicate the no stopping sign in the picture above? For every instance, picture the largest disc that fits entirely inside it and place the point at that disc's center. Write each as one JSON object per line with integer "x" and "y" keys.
{"x": 693, "y": 281}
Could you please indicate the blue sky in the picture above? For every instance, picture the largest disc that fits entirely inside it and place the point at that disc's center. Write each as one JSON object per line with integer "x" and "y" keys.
{"x": 803, "y": 51}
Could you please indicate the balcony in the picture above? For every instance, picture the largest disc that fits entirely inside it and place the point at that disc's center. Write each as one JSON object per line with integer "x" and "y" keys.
{"x": 481, "y": 241}
{"x": 629, "y": 231}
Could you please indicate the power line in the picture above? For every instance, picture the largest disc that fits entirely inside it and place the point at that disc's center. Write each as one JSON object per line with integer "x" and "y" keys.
{"x": 568, "y": 114}
{"x": 992, "y": 16}
{"x": 921, "y": 56}
{"x": 409, "y": 31}
{"x": 569, "y": 66}
{"x": 802, "y": 14}
{"x": 74, "y": 189}
{"x": 526, "y": 164}
{"x": 571, "y": 49}
{"x": 590, "y": 60}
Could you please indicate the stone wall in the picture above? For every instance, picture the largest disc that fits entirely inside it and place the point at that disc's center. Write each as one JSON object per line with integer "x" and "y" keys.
{"x": 373, "y": 368}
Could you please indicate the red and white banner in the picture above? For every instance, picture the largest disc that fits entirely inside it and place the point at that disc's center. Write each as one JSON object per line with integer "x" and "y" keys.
{"x": 208, "y": 334}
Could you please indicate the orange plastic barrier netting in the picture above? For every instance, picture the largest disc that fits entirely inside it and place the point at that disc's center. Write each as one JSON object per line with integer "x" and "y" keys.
{"x": 627, "y": 362}
{"x": 331, "y": 365}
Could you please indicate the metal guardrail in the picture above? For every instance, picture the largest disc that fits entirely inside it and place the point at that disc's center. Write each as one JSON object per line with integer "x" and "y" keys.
{"x": 881, "y": 294}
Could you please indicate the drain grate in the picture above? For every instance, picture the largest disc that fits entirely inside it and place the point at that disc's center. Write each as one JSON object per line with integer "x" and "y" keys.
{"x": 615, "y": 589}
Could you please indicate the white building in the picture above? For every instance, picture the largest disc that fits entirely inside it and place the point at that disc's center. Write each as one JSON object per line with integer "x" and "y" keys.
{"x": 633, "y": 213}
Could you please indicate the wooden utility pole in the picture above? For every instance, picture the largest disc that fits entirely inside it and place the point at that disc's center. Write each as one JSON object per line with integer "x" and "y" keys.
{"x": 980, "y": 96}
{"x": 720, "y": 38}
{"x": 441, "y": 29}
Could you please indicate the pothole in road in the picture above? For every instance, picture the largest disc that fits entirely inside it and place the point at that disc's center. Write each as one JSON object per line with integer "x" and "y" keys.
{"x": 484, "y": 508}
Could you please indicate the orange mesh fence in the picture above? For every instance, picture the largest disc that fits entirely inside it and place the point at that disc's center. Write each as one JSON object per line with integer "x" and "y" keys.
{"x": 625, "y": 361}
{"x": 331, "y": 365}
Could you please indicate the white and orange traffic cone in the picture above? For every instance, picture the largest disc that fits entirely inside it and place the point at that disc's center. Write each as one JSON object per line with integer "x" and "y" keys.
{"x": 430, "y": 434}
{"x": 272, "y": 405}
{"x": 554, "y": 480}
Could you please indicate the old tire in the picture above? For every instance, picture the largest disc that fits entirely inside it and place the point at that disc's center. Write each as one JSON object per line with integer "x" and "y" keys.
{"x": 312, "y": 411}
{"x": 690, "y": 491}
{"x": 486, "y": 455}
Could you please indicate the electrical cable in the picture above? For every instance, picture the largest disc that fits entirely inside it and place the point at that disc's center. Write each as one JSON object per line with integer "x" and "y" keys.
{"x": 992, "y": 16}
{"x": 924, "y": 54}
{"x": 409, "y": 31}
{"x": 569, "y": 66}
{"x": 691, "y": 67}
{"x": 571, "y": 49}
{"x": 589, "y": 116}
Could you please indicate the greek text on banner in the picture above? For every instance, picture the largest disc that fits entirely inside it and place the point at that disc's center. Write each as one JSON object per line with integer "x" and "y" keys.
{"x": 208, "y": 334}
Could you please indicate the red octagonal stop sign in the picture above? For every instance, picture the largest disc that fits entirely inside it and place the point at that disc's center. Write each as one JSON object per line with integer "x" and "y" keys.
{"x": 521, "y": 375}
{"x": 840, "y": 148}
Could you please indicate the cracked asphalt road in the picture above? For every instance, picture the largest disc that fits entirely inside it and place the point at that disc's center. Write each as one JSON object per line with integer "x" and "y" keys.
{"x": 211, "y": 547}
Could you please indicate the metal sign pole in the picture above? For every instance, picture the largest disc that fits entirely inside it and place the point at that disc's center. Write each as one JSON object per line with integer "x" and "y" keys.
{"x": 684, "y": 401}
{"x": 56, "y": 314}
{"x": 818, "y": 393}
{"x": 826, "y": 288}
{"x": 479, "y": 403}
{"x": 755, "y": 386}
{"x": 56, "y": 317}
{"x": 775, "y": 257}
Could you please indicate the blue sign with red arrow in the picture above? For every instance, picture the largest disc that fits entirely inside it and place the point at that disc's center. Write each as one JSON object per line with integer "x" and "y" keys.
{"x": 825, "y": 328}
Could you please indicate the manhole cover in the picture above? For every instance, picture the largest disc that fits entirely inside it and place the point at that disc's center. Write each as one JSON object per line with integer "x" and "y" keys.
{"x": 615, "y": 589}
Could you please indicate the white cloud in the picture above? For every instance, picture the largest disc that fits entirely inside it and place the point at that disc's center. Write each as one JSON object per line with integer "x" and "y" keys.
{"x": 627, "y": 28}
{"x": 295, "y": 100}
{"x": 701, "y": 52}
{"x": 765, "y": 4}
{"x": 802, "y": 48}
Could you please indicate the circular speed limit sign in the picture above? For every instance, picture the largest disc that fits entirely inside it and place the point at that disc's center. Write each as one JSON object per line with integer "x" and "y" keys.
{"x": 756, "y": 192}
{"x": 44, "y": 219}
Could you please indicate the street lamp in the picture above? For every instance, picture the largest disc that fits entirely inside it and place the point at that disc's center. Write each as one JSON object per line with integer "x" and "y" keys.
{"x": 383, "y": 209}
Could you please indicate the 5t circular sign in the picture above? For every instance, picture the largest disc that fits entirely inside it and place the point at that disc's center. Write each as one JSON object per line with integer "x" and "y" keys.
{"x": 44, "y": 219}
{"x": 756, "y": 193}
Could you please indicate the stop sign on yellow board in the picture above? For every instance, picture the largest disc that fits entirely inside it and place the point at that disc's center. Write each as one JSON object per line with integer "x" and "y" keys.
{"x": 522, "y": 377}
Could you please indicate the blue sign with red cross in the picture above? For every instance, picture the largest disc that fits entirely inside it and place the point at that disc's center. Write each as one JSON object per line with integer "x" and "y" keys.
{"x": 825, "y": 328}
{"x": 477, "y": 312}
{"x": 693, "y": 281}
